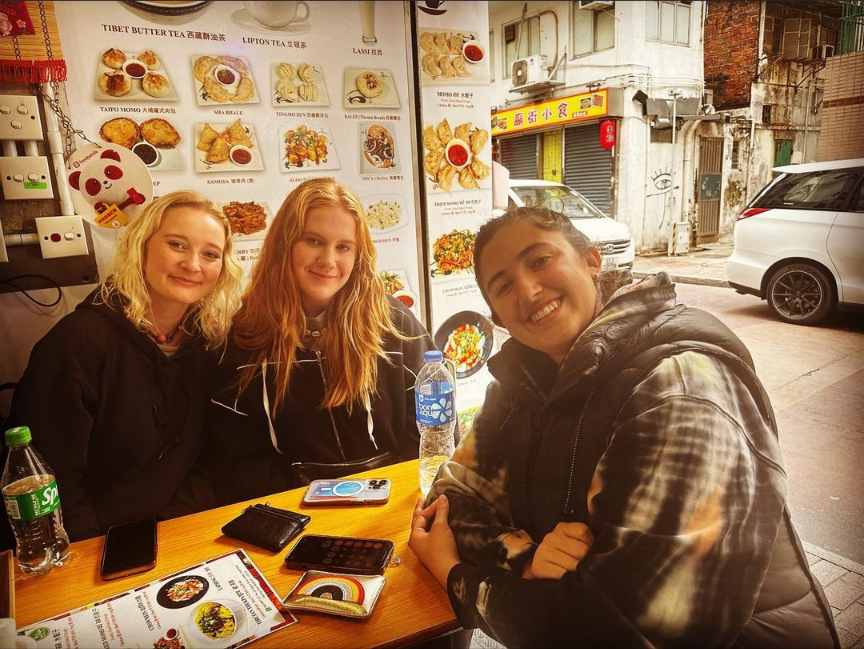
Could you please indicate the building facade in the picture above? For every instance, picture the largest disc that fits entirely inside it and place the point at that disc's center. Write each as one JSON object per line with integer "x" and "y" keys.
{"x": 636, "y": 65}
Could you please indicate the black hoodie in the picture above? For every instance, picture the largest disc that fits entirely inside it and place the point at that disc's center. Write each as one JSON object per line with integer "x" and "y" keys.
{"x": 118, "y": 421}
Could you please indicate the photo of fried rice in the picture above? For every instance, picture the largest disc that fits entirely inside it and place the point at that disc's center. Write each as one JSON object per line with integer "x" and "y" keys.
{"x": 215, "y": 620}
{"x": 383, "y": 214}
{"x": 245, "y": 218}
{"x": 453, "y": 253}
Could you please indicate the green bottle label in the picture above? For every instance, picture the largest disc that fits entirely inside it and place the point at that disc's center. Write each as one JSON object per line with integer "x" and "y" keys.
{"x": 26, "y": 507}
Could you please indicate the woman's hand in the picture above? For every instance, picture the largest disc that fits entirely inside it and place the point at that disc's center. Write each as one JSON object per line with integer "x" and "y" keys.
{"x": 560, "y": 552}
{"x": 434, "y": 544}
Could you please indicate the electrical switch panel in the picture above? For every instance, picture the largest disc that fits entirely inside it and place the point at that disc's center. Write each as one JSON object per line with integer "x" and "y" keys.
{"x": 25, "y": 178}
{"x": 61, "y": 236}
{"x": 19, "y": 118}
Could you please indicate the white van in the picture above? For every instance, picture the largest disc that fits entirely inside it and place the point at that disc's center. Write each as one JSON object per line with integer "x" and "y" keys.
{"x": 612, "y": 238}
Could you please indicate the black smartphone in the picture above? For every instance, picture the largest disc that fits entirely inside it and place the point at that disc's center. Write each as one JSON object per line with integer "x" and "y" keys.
{"x": 340, "y": 554}
{"x": 129, "y": 548}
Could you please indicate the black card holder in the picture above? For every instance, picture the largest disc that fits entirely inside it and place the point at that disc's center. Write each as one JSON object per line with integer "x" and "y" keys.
{"x": 267, "y": 527}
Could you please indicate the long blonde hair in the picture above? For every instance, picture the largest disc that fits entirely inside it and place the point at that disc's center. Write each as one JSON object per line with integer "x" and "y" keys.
{"x": 125, "y": 275}
{"x": 271, "y": 321}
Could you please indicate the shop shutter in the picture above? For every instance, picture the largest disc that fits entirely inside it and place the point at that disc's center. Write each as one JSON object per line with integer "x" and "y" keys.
{"x": 519, "y": 155}
{"x": 588, "y": 166}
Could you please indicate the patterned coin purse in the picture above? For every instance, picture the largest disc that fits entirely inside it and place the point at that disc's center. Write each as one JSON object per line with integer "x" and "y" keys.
{"x": 329, "y": 592}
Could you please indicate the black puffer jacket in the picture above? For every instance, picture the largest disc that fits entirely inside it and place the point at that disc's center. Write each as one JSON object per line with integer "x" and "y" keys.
{"x": 118, "y": 421}
{"x": 253, "y": 452}
{"x": 657, "y": 433}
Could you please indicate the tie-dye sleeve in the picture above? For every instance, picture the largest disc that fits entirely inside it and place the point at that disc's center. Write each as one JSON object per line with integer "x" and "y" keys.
{"x": 475, "y": 481}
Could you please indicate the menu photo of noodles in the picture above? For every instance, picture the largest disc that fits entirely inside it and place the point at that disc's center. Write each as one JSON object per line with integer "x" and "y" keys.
{"x": 466, "y": 338}
{"x": 385, "y": 212}
{"x": 249, "y": 220}
{"x": 307, "y": 147}
{"x": 453, "y": 254}
{"x": 132, "y": 76}
{"x": 453, "y": 157}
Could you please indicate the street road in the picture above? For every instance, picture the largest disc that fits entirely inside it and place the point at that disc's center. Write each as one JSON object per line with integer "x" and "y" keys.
{"x": 815, "y": 378}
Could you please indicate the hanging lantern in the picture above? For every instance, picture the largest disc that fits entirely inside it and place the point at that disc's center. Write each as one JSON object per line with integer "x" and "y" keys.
{"x": 607, "y": 134}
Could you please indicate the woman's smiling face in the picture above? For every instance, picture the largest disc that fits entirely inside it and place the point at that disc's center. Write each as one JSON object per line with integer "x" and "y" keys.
{"x": 324, "y": 256}
{"x": 540, "y": 288}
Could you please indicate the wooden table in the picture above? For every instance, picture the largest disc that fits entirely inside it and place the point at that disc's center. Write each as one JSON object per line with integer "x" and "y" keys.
{"x": 412, "y": 607}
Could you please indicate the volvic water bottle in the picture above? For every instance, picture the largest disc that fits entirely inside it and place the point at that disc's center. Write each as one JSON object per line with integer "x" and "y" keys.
{"x": 436, "y": 416}
{"x": 33, "y": 505}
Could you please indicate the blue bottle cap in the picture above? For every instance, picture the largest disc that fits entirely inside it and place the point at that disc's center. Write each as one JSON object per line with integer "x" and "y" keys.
{"x": 433, "y": 356}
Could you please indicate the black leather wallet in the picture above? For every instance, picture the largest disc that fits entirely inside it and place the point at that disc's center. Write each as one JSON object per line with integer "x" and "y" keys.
{"x": 267, "y": 527}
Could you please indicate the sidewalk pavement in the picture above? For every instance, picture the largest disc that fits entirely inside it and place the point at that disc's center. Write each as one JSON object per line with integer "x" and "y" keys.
{"x": 703, "y": 265}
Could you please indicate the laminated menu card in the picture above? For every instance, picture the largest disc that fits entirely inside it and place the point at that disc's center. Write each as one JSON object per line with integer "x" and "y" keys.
{"x": 223, "y": 602}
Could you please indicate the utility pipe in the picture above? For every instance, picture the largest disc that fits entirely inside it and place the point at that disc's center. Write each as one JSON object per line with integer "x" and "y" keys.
{"x": 55, "y": 148}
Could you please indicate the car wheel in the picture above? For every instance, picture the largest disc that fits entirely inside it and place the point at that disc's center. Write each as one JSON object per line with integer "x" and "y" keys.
{"x": 801, "y": 294}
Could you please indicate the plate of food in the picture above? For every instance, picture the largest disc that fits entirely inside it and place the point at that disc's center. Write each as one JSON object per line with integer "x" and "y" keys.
{"x": 377, "y": 149}
{"x": 216, "y": 622}
{"x": 466, "y": 338}
{"x": 394, "y": 280}
{"x": 153, "y": 140}
{"x": 223, "y": 79}
{"x": 298, "y": 84}
{"x": 385, "y": 212}
{"x": 226, "y": 147}
{"x": 307, "y": 147}
{"x": 453, "y": 254}
{"x": 453, "y": 159}
{"x": 132, "y": 76}
{"x": 365, "y": 88}
{"x": 182, "y": 591}
{"x": 452, "y": 57}
{"x": 249, "y": 221}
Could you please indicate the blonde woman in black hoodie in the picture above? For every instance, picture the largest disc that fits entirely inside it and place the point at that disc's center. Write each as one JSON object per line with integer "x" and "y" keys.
{"x": 114, "y": 394}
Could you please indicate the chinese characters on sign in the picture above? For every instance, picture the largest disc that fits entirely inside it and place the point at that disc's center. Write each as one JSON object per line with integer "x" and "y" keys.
{"x": 588, "y": 105}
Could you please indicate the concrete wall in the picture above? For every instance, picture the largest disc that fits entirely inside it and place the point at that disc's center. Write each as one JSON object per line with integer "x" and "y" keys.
{"x": 843, "y": 108}
{"x": 633, "y": 64}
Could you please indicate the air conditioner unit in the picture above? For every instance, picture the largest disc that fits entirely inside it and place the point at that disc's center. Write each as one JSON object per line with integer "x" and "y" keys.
{"x": 823, "y": 51}
{"x": 595, "y": 5}
{"x": 529, "y": 71}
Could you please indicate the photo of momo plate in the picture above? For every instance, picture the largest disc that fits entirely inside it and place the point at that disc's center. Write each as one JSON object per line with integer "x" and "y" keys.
{"x": 450, "y": 56}
{"x": 370, "y": 88}
{"x": 132, "y": 76}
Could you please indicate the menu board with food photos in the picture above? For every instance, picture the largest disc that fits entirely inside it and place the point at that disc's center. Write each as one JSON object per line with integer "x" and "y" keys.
{"x": 452, "y": 50}
{"x": 223, "y": 602}
{"x": 242, "y": 101}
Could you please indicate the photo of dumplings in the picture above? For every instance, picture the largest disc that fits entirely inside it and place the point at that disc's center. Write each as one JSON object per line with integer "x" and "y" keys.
{"x": 449, "y": 56}
{"x": 132, "y": 76}
{"x": 223, "y": 79}
{"x": 454, "y": 154}
{"x": 121, "y": 131}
